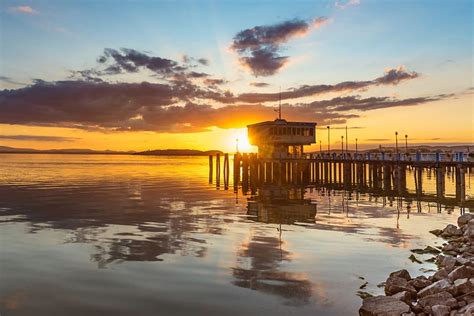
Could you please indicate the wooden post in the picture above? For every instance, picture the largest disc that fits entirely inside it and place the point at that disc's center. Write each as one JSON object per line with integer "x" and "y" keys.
{"x": 218, "y": 170}
{"x": 245, "y": 173}
{"x": 236, "y": 171}
{"x": 226, "y": 171}
{"x": 210, "y": 168}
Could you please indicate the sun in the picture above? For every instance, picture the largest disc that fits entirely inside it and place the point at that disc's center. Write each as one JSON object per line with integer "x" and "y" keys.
{"x": 240, "y": 138}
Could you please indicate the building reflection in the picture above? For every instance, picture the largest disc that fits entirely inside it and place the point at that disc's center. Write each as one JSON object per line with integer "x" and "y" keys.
{"x": 281, "y": 205}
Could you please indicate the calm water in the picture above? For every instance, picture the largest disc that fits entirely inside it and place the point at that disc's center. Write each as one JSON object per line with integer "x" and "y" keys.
{"x": 123, "y": 235}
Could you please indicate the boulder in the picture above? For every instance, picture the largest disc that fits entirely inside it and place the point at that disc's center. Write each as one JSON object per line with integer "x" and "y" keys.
{"x": 464, "y": 219}
{"x": 448, "y": 262}
{"x": 468, "y": 298}
{"x": 461, "y": 272}
{"x": 395, "y": 284}
{"x": 441, "y": 298}
{"x": 438, "y": 286}
{"x": 440, "y": 275}
{"x": 383, "y": 305}
{"x": 436, "y": 232}
{"x": 405, "y": 296}
{"x": 420, "y": 282}
{"x": 451, "y": 231}
{"x": 440, "y": 310}
{"x": 469, "y": 233}
{"x": 466, "y": 310}
{"x": 464, "y": 286}
{"x": 404, "y": 274}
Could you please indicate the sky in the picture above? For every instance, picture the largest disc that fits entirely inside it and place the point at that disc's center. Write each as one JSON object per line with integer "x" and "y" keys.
{"x": 139, "y": 75}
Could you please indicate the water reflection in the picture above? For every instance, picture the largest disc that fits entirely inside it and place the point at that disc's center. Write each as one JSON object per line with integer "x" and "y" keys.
{"x": 158, "y": 231}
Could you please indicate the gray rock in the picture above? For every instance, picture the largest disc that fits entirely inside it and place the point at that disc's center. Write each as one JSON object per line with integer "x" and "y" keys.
{"x": 383, "y": 305}
{"x": 420, "y": 282}
{"x": 450, "y": 231}
{"x": 449, "y": 262}
{"x": 461, "y": 272}
{"x": 464, "y": 286}
{"x": 466, "y": 310}
{"x": 440, "y": 310}
{"x": 464, "y": 219}
{"x": 396, "y": 284}
{"x": 441, "y": 298}
{"x": 405, "y": 296}
{"x": 404, "y": 274}
{"x": 439, "y": 286}
{"x": 440, "y": 274}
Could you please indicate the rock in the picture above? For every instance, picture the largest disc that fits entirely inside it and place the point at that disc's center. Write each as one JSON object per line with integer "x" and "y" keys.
{"x": 440, "y": 310}
{"x": 439, "y": 286}
{"x": 405, "y": 296}
{"x": 420, "y": 282}
{"x": 427, "y": 249}
{"x": 441, "y": 298}
{"x": 404, "y": 274}
{"x": 450, "y": 231}
{"x": 464, "y": 286}
{"x": 440, "y": 275}
{"x": 466, "y": 310}
{"x": 448, "y": 262}
{"x": 464, "y": 219}
{"x": 461, "y": 272}
{"x": 469, "y": 233}
{"x": 450, "y": 249}
{"x": 383, "y": 305}
{"x": 436, "y": 232}
{"x": 414, "y": 259}
{"x": 396, "y": 284}
{"x": 468, "y": 297}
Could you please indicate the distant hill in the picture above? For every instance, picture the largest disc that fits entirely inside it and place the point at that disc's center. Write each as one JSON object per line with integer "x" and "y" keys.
{"x": 178, "y": 152}
{"x": 12, "y": 150}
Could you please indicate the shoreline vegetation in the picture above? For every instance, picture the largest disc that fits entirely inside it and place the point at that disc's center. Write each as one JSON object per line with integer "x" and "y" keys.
{"x": 449, "y": 291}
{"x": 73, "y": 151}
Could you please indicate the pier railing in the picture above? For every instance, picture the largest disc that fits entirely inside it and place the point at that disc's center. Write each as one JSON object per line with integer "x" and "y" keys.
{"x": 375, "y": 173}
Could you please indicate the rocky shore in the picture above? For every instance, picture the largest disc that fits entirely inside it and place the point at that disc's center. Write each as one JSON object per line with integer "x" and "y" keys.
{"x": 449, "y": 291}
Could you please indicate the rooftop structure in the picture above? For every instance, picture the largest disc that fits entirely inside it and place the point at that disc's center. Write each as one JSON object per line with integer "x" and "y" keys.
{"x": 280, "y": 138}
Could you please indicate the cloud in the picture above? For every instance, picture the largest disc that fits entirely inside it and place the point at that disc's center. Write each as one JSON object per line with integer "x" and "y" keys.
{"x": 346, "y": 4}
{"x": 214, "y": 82}
{"x": 23, "y": 9}
{"x": 165, "y": 107}
{"x": 259, "y": 84}
{"x": 259, "y": 47}
{"x": 11, "y": 81}
{"x": 391, "y": 77}
{"x": 38, "y": 138}
{"x": 130, "y": 60}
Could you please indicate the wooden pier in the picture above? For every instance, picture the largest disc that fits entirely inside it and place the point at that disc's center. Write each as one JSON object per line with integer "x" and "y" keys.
{"x": 361, "y": 173}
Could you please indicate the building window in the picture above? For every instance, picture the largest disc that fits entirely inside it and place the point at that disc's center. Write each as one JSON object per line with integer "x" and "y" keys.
{"x": 311, "y": 131}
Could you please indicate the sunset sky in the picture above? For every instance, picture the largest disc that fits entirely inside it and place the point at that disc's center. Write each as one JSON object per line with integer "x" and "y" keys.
{"x": 137, "y": 75}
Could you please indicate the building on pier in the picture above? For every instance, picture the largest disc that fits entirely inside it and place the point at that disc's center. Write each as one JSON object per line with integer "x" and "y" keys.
{"x": 281, "y": 139}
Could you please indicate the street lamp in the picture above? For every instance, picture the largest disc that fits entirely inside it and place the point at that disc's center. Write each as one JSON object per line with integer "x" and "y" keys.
{"x": 406, "y": 143}
{"x": 320, "y": 147}
{"x": 356, "y": 147}
{"x": 396, "y": 143}
{"x": 236, "y": 145}
{"x": 342, "y": 145}
{"x": 329, "y": 139}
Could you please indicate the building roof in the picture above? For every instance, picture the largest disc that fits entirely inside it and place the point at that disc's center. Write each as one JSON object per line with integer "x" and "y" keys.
{"x": 282, "y": 122}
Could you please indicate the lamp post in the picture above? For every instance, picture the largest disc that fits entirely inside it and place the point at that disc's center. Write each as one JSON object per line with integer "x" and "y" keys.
{"x": 406, "y": 143}
{"x": 396, "y": 143}
{"x": 347, "y": 139}
{"x": 356, "y": 148}
{"x": 342, "y": 145}
{"x": 236, "y": 145}
{"x": 320, "y": 147}
{"x": 329, "y": 139}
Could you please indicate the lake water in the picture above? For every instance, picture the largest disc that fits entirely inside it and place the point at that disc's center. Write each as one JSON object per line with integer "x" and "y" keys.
{"x": 133, "y": 235}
